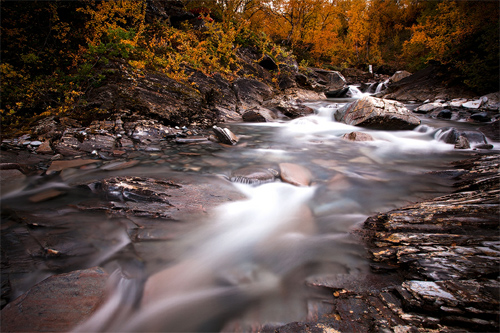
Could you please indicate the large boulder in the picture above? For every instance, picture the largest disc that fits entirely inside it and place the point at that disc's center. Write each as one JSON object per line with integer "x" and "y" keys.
{"x": 251, "y": 93}
{"x": 399, "y": 75}
{"x": 258, "y": 115}
{"x": 377, "y": 113}
{"x": 332, "y": 80}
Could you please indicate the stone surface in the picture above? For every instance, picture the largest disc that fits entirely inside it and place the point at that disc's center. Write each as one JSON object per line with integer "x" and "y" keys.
{"x": 224, "y": 135}
{"x": 251, "y": 92}
{"x": 295, "y": 174}
{"x": 56, "y": 304}
{"x": 259, "y": 114}
{"x": 254, "y": 175}
{"x": 426, "y": 84}
{"x": 399, "y": 75}
{"x": 357, "y": 136}
{"x": 45, "y": 148}
{"x": 377, "y": 113}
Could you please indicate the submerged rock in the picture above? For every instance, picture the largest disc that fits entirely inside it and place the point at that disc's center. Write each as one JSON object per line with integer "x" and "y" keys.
{"x": 357, "y": 136}
{"x": 295, "y": 174}
{"x": 377, "y": 113}
{"x": 56, "y": 304}
{"x": 254, "y": 175}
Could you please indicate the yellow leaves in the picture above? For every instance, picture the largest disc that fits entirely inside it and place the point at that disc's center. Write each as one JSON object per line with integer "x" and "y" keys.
{"x": 112, "y": 15}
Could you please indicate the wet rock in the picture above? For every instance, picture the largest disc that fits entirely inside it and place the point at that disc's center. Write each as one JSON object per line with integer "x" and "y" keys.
{"x": 474, "y": 136}
{"x": 339, "y": 93}
{"x": 7, "y": 176}
{"x": 165, "y": 198}
{"x": 462, "y": 142}
{"x": 475, "y": 104}
{"x": 332, "y": 80}
{"x": 399, "y": 75}
{"x": 147, "y": 131}
{"x": 481, "y": 117}
{"x": 295, "y": 174}
{"x": 357, "y": 136}
{"x": 224, "y": 135}
{"x": 492, "y": 130}
{"x": 68, "y": 145}
{"x": 254, "y": 175}
{"x": 56, "y": 304}
{"x": 377, "y": 113}
{"x": 259, "y": 114}
{"x": 457, "y": 102}
{"x": 98, "y": 142}
{"x": 425, "y": 108}
{"x": 444, "y": 114}
{"x": 45, "y": 148}
{"x": 293, "y": 110}
{"x": 66, "y": 164}
{"x": 251, "y": 92}
{"x": 483, "y": 146}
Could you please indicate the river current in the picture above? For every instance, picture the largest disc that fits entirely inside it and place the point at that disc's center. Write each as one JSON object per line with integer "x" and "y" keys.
{"x": 247, "y": 262}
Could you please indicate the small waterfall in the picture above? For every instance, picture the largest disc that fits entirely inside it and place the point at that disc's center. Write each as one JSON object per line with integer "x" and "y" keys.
{"x": 381, "y": 86}
{"x": 355, "y": 92}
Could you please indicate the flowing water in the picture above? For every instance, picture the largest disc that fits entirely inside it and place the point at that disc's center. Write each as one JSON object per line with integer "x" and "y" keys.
{"x": 246, "y": 261}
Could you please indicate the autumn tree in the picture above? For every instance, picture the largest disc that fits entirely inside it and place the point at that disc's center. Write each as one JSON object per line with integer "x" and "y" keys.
{"x": 462, "y": 35}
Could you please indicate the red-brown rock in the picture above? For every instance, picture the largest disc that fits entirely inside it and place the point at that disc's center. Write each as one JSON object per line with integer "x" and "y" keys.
{"x": 57, "y": 303}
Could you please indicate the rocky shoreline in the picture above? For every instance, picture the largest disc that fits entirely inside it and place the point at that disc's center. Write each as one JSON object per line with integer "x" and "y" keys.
{"x": 434, "y": 265}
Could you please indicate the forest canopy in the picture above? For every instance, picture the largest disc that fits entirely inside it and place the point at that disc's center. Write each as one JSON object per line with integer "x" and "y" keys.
{"x": 55, "y": 52}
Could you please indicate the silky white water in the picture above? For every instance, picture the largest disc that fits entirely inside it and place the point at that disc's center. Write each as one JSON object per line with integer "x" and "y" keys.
{"x": 246, "y": 262}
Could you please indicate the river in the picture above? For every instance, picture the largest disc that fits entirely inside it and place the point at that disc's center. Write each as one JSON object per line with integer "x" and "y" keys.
{"x": 245, "y": 261}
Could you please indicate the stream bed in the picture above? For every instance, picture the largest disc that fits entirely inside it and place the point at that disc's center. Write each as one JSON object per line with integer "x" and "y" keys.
{"x": 189, "y": 250}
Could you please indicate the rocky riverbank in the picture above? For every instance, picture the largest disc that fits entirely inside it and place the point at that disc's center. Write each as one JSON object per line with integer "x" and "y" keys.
{"x": 435, "y": 265}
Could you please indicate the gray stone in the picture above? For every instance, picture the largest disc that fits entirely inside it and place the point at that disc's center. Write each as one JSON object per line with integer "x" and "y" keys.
{"x": 377, "y": 113}
{"x": 357, "y": 136}
{"x": 258, "y": 114}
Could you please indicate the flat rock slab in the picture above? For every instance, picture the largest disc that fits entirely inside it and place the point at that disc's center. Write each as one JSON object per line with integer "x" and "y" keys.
{"x": 57, "y": 303}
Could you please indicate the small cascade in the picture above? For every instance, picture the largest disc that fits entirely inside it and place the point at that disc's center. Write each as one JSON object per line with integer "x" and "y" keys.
{"x": 354, "y": 92}
{"x": 372, "y": 87}
{"x": 381, "y": 86}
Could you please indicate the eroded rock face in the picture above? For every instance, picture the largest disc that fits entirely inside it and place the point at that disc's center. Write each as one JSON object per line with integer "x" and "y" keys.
{"x": 377, "y": 113}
